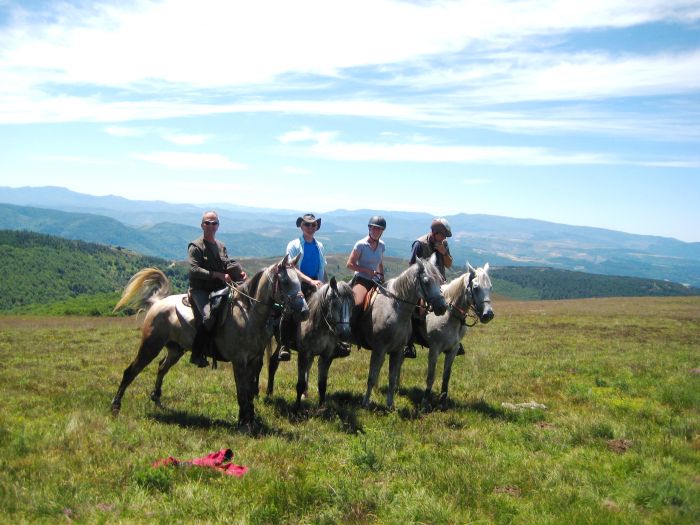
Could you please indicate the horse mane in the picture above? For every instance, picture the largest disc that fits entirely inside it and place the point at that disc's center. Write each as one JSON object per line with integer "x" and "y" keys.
{"x": 250, "y": 288}
{"x": 404, "y": 284}
{"x": 455, "y": 289}
{"x": 482, "y": 278}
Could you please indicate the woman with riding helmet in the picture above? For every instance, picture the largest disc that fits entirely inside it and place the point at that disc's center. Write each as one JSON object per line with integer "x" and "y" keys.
{"x": 367, "y": 259}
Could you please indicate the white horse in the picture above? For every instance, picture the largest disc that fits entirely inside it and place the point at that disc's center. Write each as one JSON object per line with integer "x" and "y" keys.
{"x": 386, "y": 326}
{"x": 240, "y": 338}
{"x": 470, "y": 292}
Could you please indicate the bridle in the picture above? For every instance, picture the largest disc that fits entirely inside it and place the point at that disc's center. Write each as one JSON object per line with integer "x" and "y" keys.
{"x": 471, "y": 310}
{"x": 274, "y": 280}
{"x": 388, "y": 293}
{"x": 332, "y": 327}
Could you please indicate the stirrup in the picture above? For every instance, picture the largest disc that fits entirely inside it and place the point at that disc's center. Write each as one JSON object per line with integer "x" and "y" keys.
{"x": 409, "y": 352}
{"x": 341, "y": 350}
{"x": 284, "y": 354}
{"x": 199, "y": 360}
{"x": 460, "y": 350}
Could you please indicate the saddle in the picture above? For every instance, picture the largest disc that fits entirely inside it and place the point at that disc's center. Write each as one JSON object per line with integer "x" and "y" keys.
{"x": 359, "y": 312}
{"x": 218, "y": 299}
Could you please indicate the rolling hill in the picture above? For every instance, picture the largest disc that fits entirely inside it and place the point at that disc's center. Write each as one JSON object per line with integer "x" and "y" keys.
{"x": 162, "y": 229}
{"x": 47, "y": 274}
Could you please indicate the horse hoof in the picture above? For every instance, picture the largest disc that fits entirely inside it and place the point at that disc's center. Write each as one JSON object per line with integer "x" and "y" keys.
{"x": 116, "y": 409}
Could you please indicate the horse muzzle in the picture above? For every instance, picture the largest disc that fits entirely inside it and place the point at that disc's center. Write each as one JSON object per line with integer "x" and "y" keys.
{"x": 299, "y": 308}
{"x": 438, "y": 306}
{"x": 342, "y": 330}
{"x": 486, "y": 315}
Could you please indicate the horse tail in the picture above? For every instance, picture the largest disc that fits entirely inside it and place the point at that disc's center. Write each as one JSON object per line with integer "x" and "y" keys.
{"x": 144, "y": 289}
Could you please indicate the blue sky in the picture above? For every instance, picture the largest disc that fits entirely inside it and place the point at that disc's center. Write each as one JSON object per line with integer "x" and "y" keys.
{"x": 584, "y": 113}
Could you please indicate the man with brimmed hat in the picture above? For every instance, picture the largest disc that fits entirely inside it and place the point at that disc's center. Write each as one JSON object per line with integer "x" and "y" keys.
{"x": 311, "y": 268}
{"x": 434, "y": 242}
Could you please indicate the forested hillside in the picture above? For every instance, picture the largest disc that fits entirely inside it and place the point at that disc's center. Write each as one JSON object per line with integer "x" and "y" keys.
{"x": 41, "y": 269}
{"x": 43, "y": 274}
{"x": 549, "y": 283}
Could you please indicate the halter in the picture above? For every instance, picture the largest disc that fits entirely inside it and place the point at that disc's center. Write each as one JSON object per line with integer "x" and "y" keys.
{"x": 471, "y": 310}
{"x": 333, "y": 330}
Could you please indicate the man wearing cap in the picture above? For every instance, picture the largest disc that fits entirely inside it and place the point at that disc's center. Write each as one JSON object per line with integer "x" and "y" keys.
{"x": 311, "y": 268}
{"x": 434, "y": 242}
{"x": 210, "y": 270}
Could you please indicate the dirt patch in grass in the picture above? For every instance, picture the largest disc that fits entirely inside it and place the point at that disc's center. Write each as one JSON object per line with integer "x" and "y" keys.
{"x": 619, "y": 446}
{"x": 508, "y": 490}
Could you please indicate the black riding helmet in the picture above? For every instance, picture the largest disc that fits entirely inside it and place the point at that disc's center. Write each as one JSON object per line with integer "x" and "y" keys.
{"x": 377, "y": 220}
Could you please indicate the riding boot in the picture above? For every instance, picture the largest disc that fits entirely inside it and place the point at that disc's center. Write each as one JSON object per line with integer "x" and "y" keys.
{"x": 199, "y": 346}
{"x": 409, "y": 351}
{"x": 460, "y": 350}
{"x": 342, "y": 349}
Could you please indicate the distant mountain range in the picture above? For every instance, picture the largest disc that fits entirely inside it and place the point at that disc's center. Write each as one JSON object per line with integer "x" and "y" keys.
{"x": 163, "y": 229}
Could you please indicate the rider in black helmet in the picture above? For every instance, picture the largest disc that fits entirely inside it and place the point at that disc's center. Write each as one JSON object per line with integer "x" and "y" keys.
{"x": 367, "y": 261}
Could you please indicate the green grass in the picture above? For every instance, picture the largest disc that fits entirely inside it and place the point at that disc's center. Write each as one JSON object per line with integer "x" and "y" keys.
{"x": 618, "y": 443}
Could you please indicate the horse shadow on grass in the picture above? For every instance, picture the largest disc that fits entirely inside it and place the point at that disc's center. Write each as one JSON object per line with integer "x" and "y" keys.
{"x": 341, "y": 406}
{"x": 185, "y": 419}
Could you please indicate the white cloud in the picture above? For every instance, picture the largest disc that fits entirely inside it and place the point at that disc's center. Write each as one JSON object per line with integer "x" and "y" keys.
{"x": 184, "y": 139}
{"x": 122, "y": 131}
{"x": 190, "y": 161}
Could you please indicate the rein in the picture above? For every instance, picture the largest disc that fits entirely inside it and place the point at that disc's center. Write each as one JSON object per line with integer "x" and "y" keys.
{"x": 397, "y": 298}
{"x": 470, "y": 310}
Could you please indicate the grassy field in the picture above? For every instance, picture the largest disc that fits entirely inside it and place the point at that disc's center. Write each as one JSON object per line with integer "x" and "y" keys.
{"x": 619, "y": 441}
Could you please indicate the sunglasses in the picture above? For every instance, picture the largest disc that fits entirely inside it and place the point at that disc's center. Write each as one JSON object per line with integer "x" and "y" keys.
{"x": 211, "y": 223}
{"x": 310, "y": 224}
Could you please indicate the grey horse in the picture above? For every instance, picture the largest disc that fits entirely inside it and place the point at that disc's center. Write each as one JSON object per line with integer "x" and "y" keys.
{"x": 470, "y": 292}
{"x": 329, "y": 323}
{"x": 240, "y": 337}
{"x": 386, "y": 325}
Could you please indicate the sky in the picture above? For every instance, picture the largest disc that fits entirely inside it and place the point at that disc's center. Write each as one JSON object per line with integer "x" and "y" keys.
{"x": 582, "y": 113}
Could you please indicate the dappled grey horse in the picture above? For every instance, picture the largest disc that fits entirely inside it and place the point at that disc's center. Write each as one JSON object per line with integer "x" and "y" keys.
{"x": 386, "y": 326}
{"x": 329, "y": 323}
{"x": 240, "y": 337}
{"x": 468, "y": 293}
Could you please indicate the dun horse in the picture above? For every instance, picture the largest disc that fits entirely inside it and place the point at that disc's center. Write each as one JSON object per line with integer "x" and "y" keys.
{"x": 328, "y": 323}
{"x": 240, "y": 337}
{"x": 386, "y": 326}
{"x": 471, "y": 291}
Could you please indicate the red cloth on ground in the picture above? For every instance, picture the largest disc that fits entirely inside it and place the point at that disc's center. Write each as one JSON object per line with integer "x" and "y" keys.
{"x": 214, "y": 460}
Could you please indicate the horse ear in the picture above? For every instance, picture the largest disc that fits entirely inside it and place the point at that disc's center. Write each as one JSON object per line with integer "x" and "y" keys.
{"x": 470, "y": 268}
{"x": 486, "y": 268}
{"x": 334, "y": 284}
{"x": 433, "y": 259}
{"x": 295, "y": 260}
{"x": 420, "y": 264}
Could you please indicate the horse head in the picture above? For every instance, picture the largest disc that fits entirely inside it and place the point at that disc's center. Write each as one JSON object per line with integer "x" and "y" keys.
{"x": 479, "y": 289}
{"x": 338, "y": 302}
{"x": 288, "y": 288}
{"x": 430, "y": 281}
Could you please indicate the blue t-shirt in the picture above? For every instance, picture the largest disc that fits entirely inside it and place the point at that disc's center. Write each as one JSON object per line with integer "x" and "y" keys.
{"x": 311, "y": 261}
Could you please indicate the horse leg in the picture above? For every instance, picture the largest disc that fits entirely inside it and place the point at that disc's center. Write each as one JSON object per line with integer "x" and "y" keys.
{"x": 173, "y": 356}
{"x": 324, "y": 364}
{"x": 375, "y": 365}
{"x": 304, "y": 362}
{"x": 272, "y": 366}
{"x": 149, "y": 349}
{"x": 433, "y": 354}
{"x": 240, "y": 376}
{"x": 446, "y": 372}
{"x": 395, "y": 361}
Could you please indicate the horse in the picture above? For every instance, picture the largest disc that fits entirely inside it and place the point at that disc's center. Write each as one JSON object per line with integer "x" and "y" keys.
{"x": 240, "y": 336}
{"x": 467, "y": 293}
{"x": 329, "y": 323}
{"x": 385, "y": 326}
